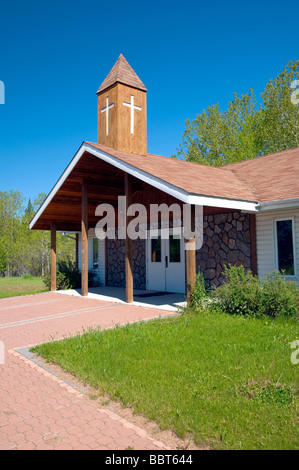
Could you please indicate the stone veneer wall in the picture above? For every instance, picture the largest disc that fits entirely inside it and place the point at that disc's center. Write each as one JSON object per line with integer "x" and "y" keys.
{"x": 116, "y": 263}
{"x": 226, "y": 240}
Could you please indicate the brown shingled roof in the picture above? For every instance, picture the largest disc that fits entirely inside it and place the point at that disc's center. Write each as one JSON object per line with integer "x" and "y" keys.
{"x": 272, "y": 177}
{"x": 191, "y": 177}
{"x": 122, "y": 72}
{"x": 263, "y": 179}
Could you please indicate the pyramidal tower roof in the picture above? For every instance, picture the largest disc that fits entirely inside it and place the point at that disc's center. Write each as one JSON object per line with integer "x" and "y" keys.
{"x": 123, "y": 73}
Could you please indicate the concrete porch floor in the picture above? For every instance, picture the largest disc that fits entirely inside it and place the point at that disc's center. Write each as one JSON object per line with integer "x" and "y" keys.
{"x": 143, "y": 298}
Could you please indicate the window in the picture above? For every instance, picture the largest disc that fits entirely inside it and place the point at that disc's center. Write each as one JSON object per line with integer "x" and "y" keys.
{"x": 156, "y": 250}
{"x": 95, "y": 259}
{"x": 174, "y": 249}
{"x": 285, "y": 246}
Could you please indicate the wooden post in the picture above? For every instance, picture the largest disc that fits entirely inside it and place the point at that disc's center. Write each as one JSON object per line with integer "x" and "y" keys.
{"x": 253, "y": 244}
{"x": 129, "y": 243}
{"x": 84, "y": 240}
{"x": 191, "y": 259}
{"x": 77, "y": 251}
{"x": 53, "y": 258}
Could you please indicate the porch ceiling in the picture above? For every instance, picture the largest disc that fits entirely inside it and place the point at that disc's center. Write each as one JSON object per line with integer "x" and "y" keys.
{"x": 105, "y": 184}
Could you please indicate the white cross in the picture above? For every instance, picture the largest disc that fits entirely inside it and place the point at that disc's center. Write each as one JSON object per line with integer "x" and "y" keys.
{"x": 132, "y": 106}
{"x": 106, "y": 110}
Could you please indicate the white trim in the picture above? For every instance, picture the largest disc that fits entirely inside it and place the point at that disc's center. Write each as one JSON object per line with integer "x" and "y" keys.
{"x": 178, "y": 193}
{"x": 211, "y": 201}
{"x": 280, "y": 219}
{"x": 277, "y": 205}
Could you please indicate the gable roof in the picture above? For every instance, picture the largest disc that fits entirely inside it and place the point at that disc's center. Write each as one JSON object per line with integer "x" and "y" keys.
{"x": 250, "y": 186}
{"x": 123, "y": 73}
{"x": 273, "y": 177}
{"x": 187, "y": 182}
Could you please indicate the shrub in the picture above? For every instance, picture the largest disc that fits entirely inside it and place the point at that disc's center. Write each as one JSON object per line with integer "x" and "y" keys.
{"x": 61, "y": 281}
{"x": 69, "y": 277}
{"x": 70, "y": 272}
{"x": 93, "y": 279}
{"x": 244, "y": 294}
{"x": 198, "y": 292}
{"x": 279, "y": 296}
{"x": 240, "y": 294}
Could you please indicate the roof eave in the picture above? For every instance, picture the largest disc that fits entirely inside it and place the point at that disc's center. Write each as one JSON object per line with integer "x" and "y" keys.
{"x": 122, "y": 82}
{"x": 282, "y": 204}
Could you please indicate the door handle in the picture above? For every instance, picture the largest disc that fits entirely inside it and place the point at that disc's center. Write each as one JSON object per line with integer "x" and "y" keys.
{"x": 166, "y": 261}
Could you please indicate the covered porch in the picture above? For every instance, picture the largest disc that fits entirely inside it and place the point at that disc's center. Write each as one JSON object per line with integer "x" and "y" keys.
{"x": 99, "y": 175}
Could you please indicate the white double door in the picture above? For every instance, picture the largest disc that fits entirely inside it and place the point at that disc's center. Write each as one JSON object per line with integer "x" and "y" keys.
{"x": 166, "y": 263}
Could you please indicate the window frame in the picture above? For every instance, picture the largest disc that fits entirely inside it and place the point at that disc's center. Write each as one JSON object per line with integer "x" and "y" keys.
{"x": 282, "y": 219}
{"x": 174, "y": 238}
{"x": 93, "y": 253}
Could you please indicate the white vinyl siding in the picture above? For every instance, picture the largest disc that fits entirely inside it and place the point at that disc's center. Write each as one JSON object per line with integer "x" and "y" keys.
{"x": 266, "y": 240}
{"x": 101, "y": 256}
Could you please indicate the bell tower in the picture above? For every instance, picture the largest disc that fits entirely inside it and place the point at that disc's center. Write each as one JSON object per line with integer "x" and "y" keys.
{"x": 122, "y": 110}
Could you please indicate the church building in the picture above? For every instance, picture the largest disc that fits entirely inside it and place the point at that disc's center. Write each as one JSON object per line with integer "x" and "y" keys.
{"x": 250, "y": 209}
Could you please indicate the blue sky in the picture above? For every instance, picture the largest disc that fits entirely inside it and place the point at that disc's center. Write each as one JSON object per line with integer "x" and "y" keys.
{"x": 189, "y": 54}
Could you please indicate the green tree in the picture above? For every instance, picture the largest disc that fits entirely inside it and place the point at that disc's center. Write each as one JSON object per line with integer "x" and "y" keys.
{"x": 40, "y": 243}
{"x": 29, "y": 208}
{"x": 279, "y": 123}
{"x": 245, "y": 130}
{"x": 3, "y": 258}
{"x": 23, "y": 250}
{"x": 217, "y": 138}
{"x": 11, "y": 211}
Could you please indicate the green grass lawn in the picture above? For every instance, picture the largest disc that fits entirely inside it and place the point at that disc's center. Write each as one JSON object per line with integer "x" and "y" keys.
{"x": 227, "y": 381}
{"x": 13, "y": 286}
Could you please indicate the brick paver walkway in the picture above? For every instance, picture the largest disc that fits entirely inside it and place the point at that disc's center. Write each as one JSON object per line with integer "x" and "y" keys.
{"x": 38, "y": 410}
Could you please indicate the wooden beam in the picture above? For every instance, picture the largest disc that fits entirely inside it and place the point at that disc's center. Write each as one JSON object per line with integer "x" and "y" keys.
{"x": 84, "y": 240}
{"x": 253, "y": 244}
{"x": 129, "y": 243}
{"x": 53, "y": 258}
{"x": 191, "y": 259}
{"x": 64, "y": 195}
